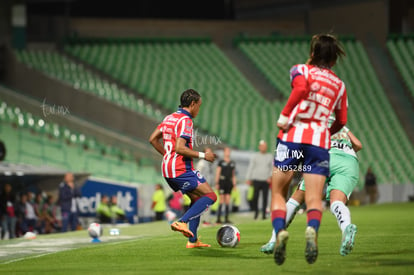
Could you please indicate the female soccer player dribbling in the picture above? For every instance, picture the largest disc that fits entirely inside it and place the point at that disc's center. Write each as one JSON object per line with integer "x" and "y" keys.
{"x": 304, "y": 137}
{"x": 176, "y": 131}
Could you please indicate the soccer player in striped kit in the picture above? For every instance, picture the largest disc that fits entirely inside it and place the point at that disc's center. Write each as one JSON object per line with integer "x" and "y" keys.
{"x": 343, "y": 177}
{"x": 176, "y": 131}
{"x": 304, "y": 139}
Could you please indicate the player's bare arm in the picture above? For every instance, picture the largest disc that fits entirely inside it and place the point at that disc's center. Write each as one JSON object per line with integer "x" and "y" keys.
{"x": 154, "y": 139}
{"x": 356, "y": 143}
{"x": 189, "y": 153}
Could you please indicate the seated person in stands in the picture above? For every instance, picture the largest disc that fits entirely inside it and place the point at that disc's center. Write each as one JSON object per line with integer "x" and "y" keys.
{"x": 103, "y": 212}
{"x": 118, "y": 214}
{"x": 52, "y": 223}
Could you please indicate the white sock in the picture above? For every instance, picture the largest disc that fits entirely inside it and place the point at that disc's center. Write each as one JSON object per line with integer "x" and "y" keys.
{"x": 292, "y": 207}
{"x": 273, "y": 238}
{"x": 342, "y": 214}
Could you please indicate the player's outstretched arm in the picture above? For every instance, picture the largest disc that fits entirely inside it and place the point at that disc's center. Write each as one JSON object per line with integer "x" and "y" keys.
{"x": 356, "y": 143}
{"x": 154, "y": 139}
{"x": 189, "y": 153}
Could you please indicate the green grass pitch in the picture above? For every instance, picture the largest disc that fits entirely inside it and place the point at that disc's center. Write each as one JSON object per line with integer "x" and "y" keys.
{"x": 384, "y": 245}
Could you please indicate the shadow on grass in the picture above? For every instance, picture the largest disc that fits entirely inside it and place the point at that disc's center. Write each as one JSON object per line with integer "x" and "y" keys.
{"x": 390, "y": 258}
{"x": 226, "y": 252}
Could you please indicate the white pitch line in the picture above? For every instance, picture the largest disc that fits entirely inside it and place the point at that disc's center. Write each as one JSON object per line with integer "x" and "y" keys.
{"x": 27, "y": 258}
{"x": 74, "y": 248}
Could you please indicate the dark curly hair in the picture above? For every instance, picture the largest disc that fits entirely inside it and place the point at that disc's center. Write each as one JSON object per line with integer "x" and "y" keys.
{"x": 189, "y": 96}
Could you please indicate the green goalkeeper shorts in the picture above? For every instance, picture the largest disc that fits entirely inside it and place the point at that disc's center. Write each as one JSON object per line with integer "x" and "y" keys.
{"x": 343, "y": 174}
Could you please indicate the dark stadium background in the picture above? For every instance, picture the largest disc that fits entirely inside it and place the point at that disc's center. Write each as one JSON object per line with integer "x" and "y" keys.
{"x": 51, "y": 24}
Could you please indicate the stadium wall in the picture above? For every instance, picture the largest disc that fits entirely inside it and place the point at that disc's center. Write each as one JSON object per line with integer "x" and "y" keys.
{"x": 372, "y": 19}
{"x": 219, "y": 30}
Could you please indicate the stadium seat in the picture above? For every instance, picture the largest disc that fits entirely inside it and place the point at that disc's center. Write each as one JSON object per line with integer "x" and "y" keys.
{"x": 367, "y": 99}
{"x": 402, "y": 52}
{"x": 30, "y": 139}
{"x": 58, "y": 66}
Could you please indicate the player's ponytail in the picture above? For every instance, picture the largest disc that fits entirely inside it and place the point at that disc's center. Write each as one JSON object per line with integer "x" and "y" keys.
{"x": 325, "y": 50}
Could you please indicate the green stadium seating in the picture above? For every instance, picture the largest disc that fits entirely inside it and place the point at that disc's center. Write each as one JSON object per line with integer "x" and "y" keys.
{"x": 233, "y": 111}
{"x": 30, "y": 139}
{"x": 371, "y": 117}
{"x": 401, "y": 50}
{"x": 58, "y": 66}
{"x": 162, "y": 69}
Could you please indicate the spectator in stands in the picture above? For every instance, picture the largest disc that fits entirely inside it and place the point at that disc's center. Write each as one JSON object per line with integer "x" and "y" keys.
{"x": 103, "y": 211}
{"x": 158, "y": 202}
{"x": 175, "y": 202}
{"x": 67, "y": 201}
{"x": 52, "y": 223}
{"x": 8, "y": 211}
{"x": 259, "y": 175}
{"x": 38, "y": 209}
{"x": 20, "y": 213}
{"x": 186, "y": 202}
{"x": 118, "y": 214}
{"x": 29, "y": 220}
{"x": 371, "y": 187}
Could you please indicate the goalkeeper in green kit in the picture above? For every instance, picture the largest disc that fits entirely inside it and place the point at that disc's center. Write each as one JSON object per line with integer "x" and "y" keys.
{"x": 344, "y": 174}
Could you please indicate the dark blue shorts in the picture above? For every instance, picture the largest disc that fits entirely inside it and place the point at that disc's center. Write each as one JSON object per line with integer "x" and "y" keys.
{"x": 186, "y": 182}
{"x": 313, "y": 159}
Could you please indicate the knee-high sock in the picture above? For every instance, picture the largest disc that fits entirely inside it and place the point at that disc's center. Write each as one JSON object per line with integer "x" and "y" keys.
{"x": 199, "y": 207}
{"x": 193, "y": 226}
{"x": 342, "y": 214}
{"x": 314, "y": 217}
{"x": 292, "y": 207}
{"x": 278, "y": 220}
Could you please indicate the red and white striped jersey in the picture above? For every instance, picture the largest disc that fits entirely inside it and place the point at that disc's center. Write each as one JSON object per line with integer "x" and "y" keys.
{"x": 316, "y": 94}
{"x": 178, "y": 124}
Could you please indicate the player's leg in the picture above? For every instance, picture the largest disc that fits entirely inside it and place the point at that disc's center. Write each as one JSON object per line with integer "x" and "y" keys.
{"x": 343, "y": 217}
{"x": 292, "y": 206}
{"x": 294, "y": 202}
{"x": 255, "y": 202}
{"x": 313, "y": 197}
{"x": 316, "y": 169}
{"x": 220, "y": 208}
{"x": 280, "y": 185}
{"x": 227, "y": 200}
{"x": 193, "y": 224}
{"x": 265, "y": 193}
{"x": 344, "y": 178}
{"x": 202, "y": 196}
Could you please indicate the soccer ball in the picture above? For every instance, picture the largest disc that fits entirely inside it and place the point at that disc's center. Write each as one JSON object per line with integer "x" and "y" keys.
{"x": 228, "y": 236}
{"x": 95, "y": 230}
